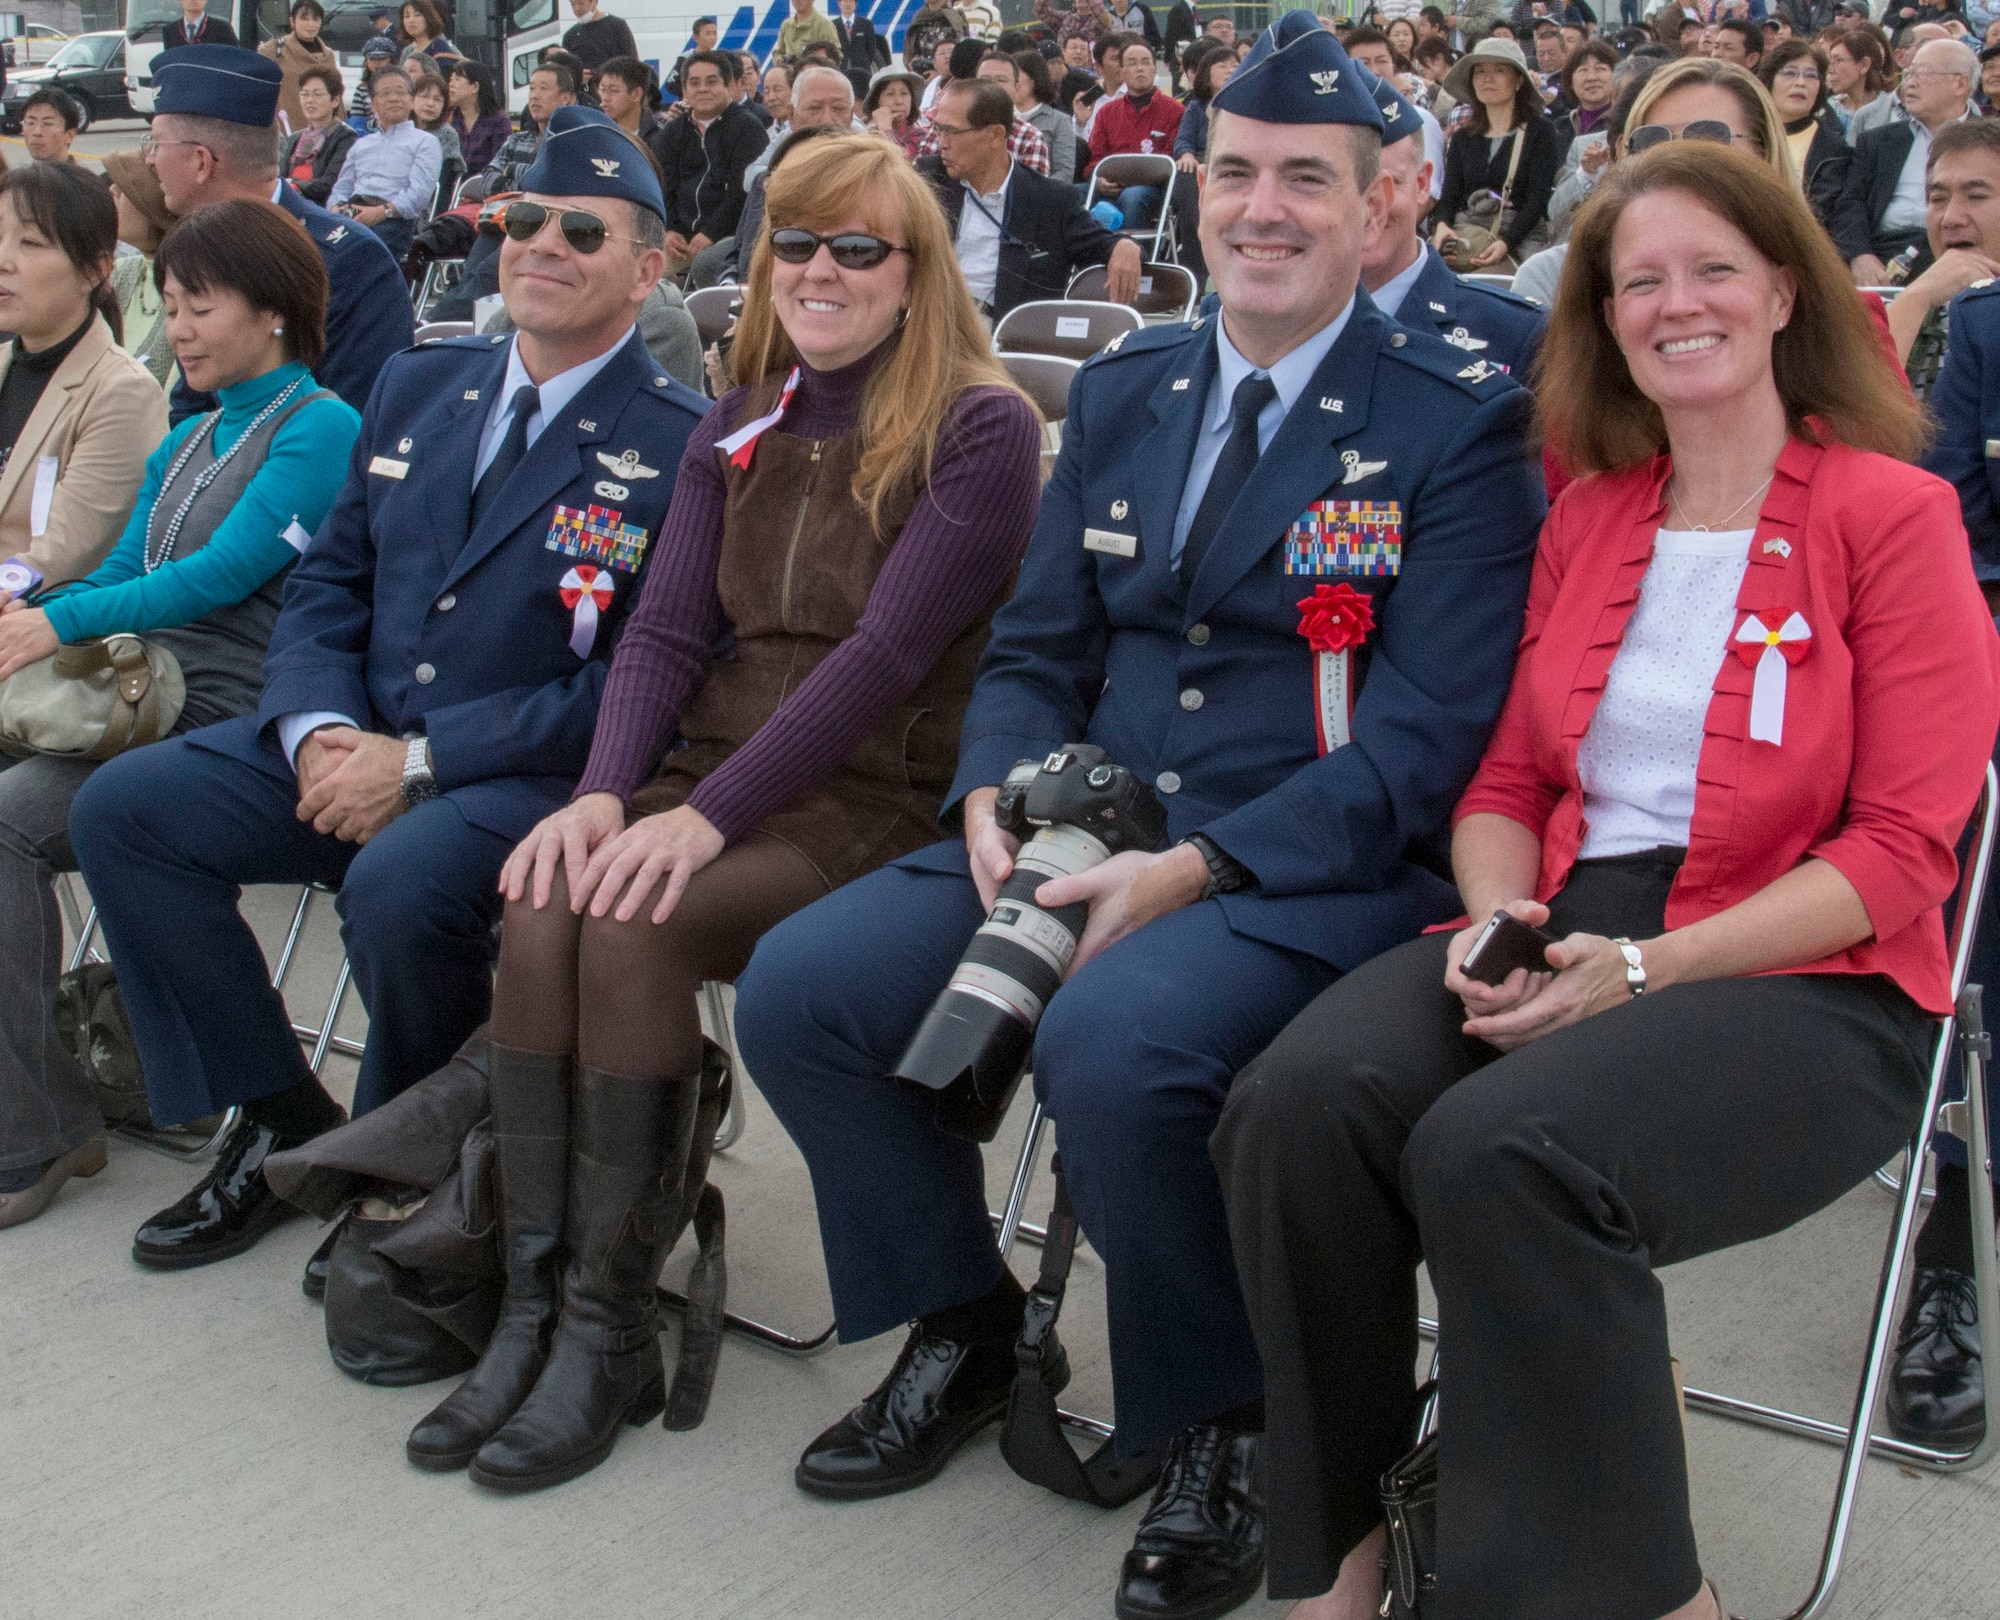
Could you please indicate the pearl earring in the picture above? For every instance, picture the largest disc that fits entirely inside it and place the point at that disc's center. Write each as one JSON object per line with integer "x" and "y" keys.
{"x": 277, "y": 331}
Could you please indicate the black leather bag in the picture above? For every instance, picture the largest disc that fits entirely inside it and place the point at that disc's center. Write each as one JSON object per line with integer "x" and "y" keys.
{"x": 91, "y": 1024}
{"x": 370, "y": 1333}
{"x": 1409, "y": 1507}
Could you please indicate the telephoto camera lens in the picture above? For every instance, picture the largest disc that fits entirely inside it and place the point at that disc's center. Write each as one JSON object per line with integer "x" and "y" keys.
{"x": 972, "y": 1047}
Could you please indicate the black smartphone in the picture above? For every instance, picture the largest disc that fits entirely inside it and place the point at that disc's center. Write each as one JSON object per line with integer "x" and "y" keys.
{"x": 1504, "y": 944}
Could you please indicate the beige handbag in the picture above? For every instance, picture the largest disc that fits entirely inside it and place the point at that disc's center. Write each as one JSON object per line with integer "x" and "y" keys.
{"x": 92, "y": 700}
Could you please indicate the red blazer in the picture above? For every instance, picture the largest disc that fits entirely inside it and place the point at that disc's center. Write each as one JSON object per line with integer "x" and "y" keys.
{"x": 1889, "y": 718}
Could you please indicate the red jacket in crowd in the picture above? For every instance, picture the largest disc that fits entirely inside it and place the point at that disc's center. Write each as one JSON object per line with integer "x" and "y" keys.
{"x": 1122, "y": 125}
{"x": 1889, "y": 715}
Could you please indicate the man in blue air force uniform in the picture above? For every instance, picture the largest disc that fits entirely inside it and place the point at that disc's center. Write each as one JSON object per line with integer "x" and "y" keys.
{"x": 213, "y": 141}
{"x": 431, "y": 689}
{"x": 1300, "y": 449}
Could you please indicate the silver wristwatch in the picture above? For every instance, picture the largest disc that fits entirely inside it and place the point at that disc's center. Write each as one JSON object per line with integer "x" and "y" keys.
{"x": 418, "y": 782}
{"x": 1635, "y": 966}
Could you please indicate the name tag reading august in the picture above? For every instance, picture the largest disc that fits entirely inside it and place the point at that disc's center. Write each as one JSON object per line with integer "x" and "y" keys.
{"x": 1111, "y": 543}
{"x": 389, "y": 468}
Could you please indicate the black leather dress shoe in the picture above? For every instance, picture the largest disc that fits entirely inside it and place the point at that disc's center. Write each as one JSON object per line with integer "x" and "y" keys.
{"x": 1200, "y": 1548}
{"x": 940, "y": 1393}
{"x": 225, "y": 1213}
{"x": 313, "y": 1283}
{"x": 1937, "y": 1389}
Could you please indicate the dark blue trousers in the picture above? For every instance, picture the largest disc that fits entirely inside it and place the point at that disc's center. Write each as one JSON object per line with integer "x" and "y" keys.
{"x": 166, "y": 836}
{"x": 1134, "y": 1060}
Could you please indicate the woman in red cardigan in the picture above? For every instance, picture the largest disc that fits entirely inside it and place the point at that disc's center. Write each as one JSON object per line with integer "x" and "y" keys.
{"x": 1730, "y": 774}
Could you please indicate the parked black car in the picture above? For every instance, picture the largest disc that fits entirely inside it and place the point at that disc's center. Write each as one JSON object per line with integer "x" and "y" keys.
{"x": 91, "y": 68}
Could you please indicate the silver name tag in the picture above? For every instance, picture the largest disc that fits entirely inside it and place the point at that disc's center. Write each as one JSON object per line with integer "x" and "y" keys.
{"x": 1993, "y": 449}
{"x": 389, "y": 468}
{"x": 1111, "y": 543}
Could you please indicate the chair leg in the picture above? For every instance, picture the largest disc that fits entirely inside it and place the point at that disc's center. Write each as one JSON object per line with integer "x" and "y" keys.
{"x": 1009, "y": 1225}
{"x": 720, "y": 1030}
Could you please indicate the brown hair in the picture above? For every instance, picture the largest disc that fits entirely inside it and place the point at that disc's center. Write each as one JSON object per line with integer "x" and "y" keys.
{"x": 1866, "y": 49}
{"x": 431, "y": 12}
{"x": 329, "y": 76}
{"x": 261, "y": 253}
{"x": 1828, "y": 366}
{"x": 1782, "y": 55}
{"x": 941, "y": 349}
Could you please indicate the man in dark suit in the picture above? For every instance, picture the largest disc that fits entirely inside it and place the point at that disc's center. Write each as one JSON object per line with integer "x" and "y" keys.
{"x": 194, "y": 26}
{"x": 1019, "y": 235}
{"x": 862, "y": 49}
{"x": 431, "y": 689}
{"x": 1881, "y": 208}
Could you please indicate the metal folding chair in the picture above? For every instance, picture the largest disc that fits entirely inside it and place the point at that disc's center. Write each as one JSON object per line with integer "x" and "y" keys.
{"x": 1141, "y": 169}
{"x": 1070, "y": 328}
{"x": 714, "y": 310}
{"x": 1489, "y": 278}
{"x": 1166, "y": 291}
{"x": 443, "y": 329}
{"x": 1963, "y": 1030}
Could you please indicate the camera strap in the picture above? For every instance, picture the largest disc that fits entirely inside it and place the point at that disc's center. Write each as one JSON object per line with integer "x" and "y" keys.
{"x": 1033, "y": 1441}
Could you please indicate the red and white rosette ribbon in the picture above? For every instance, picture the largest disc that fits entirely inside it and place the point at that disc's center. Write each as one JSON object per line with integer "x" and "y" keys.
{"x": 587, "y": 593}
{"x": 1335, "y": 620}
{"x": 1771, "y": 653}
{"x": 738, "y": 446}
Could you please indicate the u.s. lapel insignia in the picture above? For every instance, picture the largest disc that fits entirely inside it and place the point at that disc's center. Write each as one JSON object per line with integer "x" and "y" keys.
{"x": 1326, "y": 82}
{"x": 1357, "y": 469}
{"x": 1118, "y": 510}
{"x": 1180, "y": 385}
{"x": 1459, "y": 338}
{"x": 626, "y": 465}
{"x": 606, "y": 167}
{"x": 1437, "y": 308}
{"x": 1479, "y": 371}
{"x": 403, "y": 446}
{"x": 337, "y": 234}
{"x": 586, "y": 427}
{"x": 1328, "y": 404}
{"x": 1782, "y": 547}
{"x": 472, "y": 393}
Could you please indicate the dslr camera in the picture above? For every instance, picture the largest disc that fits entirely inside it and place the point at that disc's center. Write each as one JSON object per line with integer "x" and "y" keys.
{"x": 1072, "y": 811}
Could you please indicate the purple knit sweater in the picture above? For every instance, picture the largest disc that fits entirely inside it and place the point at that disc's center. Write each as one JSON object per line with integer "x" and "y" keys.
{"x": 940, "y": 575}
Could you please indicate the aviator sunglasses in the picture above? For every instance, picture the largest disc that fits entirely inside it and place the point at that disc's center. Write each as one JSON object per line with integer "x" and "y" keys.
{"x": 851, "y": 250}
{"x": 1648, "y": 136}
{"x": 586, "y": 233}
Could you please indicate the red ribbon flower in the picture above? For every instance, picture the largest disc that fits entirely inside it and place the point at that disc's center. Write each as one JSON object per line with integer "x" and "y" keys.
{"x": 1335, "y": 618}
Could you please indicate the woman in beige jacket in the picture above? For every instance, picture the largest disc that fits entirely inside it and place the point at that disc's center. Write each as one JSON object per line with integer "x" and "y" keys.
{"x": 78, "y": 415}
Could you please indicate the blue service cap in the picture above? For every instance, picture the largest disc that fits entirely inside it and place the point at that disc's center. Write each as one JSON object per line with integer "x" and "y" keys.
{"x": 217, "y": 81}
{"x": 585, "y": 154}
{"x": 1297, "y": 73}
{"x": 1399, "y": 117}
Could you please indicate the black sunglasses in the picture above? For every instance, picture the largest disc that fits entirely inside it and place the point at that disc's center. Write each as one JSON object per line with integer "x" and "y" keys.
{"x": 524, "y": 221}
{"x": 851, "y": 250}
{"x": 1648, "y": 136}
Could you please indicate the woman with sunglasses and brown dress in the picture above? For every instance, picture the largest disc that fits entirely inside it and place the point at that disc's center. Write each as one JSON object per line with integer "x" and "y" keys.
{"x": 843, "y": 525}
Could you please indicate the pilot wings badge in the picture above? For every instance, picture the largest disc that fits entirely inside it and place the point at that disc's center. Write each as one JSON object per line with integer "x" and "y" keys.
{"x": 1459, "y": 338}
{"x": 1326, "y": 81}
{"x": 1357, "y": 469}
{"x": 626, "y": 465}
{"x": 606, "y": 167}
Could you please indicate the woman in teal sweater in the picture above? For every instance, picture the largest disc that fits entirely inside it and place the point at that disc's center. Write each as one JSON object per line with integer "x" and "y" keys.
{"x": 229, "y": 501}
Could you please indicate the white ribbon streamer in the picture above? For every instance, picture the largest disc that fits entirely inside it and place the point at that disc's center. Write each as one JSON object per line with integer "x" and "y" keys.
{"x": 1336, "y": 677}
{"x": 590, "y": 590}
{"x": 1767, "y": 686}
{"x": 738, "y": 445}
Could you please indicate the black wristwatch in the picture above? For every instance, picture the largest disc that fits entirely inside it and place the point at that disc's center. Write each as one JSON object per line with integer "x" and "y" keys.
{"x": 1226, "y": 874}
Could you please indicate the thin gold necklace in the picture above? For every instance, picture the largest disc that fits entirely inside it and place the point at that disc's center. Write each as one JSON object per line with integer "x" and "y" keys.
{"x": 1674, "y": 500}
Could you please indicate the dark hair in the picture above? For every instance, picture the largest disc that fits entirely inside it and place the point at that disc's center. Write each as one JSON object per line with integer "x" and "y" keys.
{"x": 328, "y": 75}
{"x": 1201, "y": 77}
{"x": 431, "y": 12}
{"x": 1035, "y": 68}
{"x": 1866, "y": 49}
{"x": 391, "y": 71}
{"x": 1621, "y": 107}
{"x": 568, "y": 81}
{"x": 1431, "y": 47}
{"x": 1745, "y": 30}
{"x": 628, "y": 71}
{"x": 1968, "y": 135}
{"x": 1434, "y": 15}
{"x": 966, "y": 55}
{"x": 1527, "y": 101}
{"x": 258, "y": 251}
{"x": 1072, "y": 84}
{"x": 312, "y": 6}
{"x": 477, "y": 72}
{"x": 987, "y": 106}
{"x": 704, "y": 22}
{"x": 1366, "y": 34}
{"x": 1140, "y": 42}
{"x": 1105, "y": 44}
{"x": 1834, "y": 379}
{"x": 1783, "y": 55}
{"x": 73, "y": 207}
{"x": 722, "y": 61}
{"x": 59, "y": 102}
{"x": 1591, "y": 50}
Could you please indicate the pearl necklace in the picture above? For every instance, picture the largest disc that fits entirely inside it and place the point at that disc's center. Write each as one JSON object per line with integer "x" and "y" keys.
{"x": 158, "y": 557}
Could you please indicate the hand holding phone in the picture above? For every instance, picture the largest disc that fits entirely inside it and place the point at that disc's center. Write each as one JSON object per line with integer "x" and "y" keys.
{"x": 1504, "y": 944}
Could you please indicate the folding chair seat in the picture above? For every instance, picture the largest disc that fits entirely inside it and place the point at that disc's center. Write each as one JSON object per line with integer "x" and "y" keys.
{"x": 1073, "y": 329}
{"x": 714, "y": 310}
{"x": 1044, "y": 378}
{"x": 1166, "y": 291}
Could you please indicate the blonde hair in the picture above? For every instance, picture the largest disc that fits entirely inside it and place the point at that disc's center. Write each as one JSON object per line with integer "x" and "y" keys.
{"x": 940, "y": 350}
{"x": 1767, "y": 125}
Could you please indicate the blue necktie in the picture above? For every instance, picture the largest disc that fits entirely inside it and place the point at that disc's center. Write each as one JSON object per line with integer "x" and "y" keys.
{"x": 1232, "y": 471}
{"x": 527, "y": 400}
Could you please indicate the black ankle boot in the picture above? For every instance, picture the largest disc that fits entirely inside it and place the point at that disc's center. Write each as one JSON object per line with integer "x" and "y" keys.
{"x": 629, "y": 1157}
{"x": 531, "y": 1106}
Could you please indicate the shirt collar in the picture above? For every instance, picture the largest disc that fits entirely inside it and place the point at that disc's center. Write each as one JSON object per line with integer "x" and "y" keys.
{"x": 1000, "y": 191}
{"x": 1289, "y": 376}
{"x": 564, "y": 386}
{"x": 1390, "y": 295}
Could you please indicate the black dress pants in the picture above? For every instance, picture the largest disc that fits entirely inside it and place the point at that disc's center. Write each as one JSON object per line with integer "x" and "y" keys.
{"x": 1541, "y": 1187}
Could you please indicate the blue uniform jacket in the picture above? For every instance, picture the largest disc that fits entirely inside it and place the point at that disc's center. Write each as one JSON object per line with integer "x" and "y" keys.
{"x": 1483, "y": 321}
{"x": 398, "y": 617}
{"x": 1966, "y": 401}
{"x": 1209, "y": 692}
{"x": 367, "y": 308}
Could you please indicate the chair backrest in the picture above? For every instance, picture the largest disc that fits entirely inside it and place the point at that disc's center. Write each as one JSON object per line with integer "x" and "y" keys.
{"x": 430, "y": 331}
{"x": 1076, "y": 328}
{"x": 1975, "y": 864}
{"x": 1487, "y": 278}
{"x": 713, "y": 309}
{"x": 1136, "y": 169}
{"x": 1166, "y": 291}
{"x": 1044, "y": 378}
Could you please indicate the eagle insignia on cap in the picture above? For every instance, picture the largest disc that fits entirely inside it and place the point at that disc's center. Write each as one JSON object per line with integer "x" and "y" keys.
{"x": 1326, "y": 81}
{"x": 626, "y": 465}
{"x": 606, "y": 167}
{"x": 1390, "y": 113}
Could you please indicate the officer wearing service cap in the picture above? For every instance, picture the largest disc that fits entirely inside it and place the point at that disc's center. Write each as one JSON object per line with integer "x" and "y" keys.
{"x": 212, "y": 140}
{"x": 430, "y": 691}
{"x": 1253, "y": 515}
{"x": 1407, "y": 278}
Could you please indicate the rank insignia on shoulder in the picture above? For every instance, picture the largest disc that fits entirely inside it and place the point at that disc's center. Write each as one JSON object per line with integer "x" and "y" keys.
{"x": 1357, "y": 469}
{"x": 1347, "y": 537}
{"x": 1459, "y": 338}
{"x": 1479, "y": 371}
{"x": 627, "y": 465}
{"x": 1115, "y": 344}
{"x": 335, "y": 235}
{"x": 597, "y": 534}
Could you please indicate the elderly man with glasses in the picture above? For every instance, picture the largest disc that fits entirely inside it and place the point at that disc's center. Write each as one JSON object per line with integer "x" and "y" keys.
{"x": 1881, "y": 208}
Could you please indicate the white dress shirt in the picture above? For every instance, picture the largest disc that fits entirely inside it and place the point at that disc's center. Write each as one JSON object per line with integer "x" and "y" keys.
{"x": 1906, "y": 207}
{"x": 399, "y": 164}
{"x": 980, "y": 219}
{"x": 1289, "y": 376}
{"x": 1390, "y": 295}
